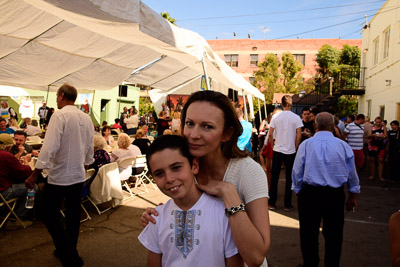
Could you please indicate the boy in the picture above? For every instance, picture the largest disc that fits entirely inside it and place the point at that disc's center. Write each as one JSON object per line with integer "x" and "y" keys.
{"x": 191, "y": 228}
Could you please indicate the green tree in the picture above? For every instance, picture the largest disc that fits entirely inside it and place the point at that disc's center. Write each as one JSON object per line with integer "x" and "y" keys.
{"x": 292, "y": 79}
{"x": 350, "y": 56}
{"x": 327, "y": 60}
{"x": 166, "y": 16}
{"x": 346, "y": 105}
{"x": 145, "y": 105}
{"x": 267, "y": 76}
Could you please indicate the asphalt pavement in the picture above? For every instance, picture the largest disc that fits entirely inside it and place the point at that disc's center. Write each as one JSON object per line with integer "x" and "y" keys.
{"x": 110, "y": 239}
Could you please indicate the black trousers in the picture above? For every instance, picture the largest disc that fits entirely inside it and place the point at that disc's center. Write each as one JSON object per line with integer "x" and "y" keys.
{"x": 277, "y": 160}
{"x": 65, "y": 239}
{"x": 316, "y": 204}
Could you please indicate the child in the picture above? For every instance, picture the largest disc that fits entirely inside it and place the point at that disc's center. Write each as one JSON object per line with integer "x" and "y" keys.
{"x": 191, "y": 228}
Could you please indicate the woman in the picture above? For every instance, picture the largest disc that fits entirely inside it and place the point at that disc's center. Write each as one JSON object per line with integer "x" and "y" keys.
{"x": 176, "y": 122}
{"x": 125, "y": 149}
{"x": 267, "y": 152}
{"x": 13, "y": 124}
{"x": 100, "y": 156}
{"x": 132, "y": 122}
{"x": 141, "y": 141}
{"x": 106, "y": 133}
{"x": 162, "y": 123}
{"x": 211, "y": 127}
{"x": 376, "y": 147}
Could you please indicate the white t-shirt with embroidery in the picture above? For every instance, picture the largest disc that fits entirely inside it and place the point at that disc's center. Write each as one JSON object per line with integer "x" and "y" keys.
{"x": 200, "y": 236}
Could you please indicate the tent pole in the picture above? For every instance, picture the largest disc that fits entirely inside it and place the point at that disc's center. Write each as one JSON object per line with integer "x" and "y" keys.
{"x": 205, "y": 71}
{"x": 259, "y": 110}
{"x": 265, "y": 109}
{"x": 245, "y": 106}
{"x": 47, "y": 96}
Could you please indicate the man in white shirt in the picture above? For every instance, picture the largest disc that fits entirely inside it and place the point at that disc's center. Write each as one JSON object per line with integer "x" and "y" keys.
{"x": 285, "y": 137}
{"x": 67, "y": 151}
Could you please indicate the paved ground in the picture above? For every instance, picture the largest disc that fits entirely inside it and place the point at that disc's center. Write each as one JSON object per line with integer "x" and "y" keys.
{"x": 110, "y": 239}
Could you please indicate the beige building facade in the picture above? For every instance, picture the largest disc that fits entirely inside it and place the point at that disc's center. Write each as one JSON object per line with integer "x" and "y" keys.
{"x": 381, "y": 59}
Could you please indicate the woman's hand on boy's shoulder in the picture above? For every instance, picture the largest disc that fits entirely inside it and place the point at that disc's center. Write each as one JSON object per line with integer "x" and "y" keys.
{"x": 146, "y": 216}
{"x": 217, "y": 188}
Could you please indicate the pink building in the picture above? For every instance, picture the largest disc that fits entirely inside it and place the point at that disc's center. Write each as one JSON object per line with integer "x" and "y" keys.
{"x": 244, "y": 54}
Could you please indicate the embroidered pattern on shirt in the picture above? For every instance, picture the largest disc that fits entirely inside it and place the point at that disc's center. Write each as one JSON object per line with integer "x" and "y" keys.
{"x": 184, "y": 230}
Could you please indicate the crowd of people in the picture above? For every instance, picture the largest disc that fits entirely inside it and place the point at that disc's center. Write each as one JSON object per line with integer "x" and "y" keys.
{"x": 201, "y": 152}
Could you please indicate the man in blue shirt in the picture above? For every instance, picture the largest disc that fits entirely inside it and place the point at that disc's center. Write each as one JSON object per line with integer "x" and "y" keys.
{"x": 3, "y": 127}
{"x": 244, "y": 140}
{"x": 323, "y": 165}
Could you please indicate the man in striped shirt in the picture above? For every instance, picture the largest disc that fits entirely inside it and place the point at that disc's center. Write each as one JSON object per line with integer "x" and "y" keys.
{"x": 353, "y": 134}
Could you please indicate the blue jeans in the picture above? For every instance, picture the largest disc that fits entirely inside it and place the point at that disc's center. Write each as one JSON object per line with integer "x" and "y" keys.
{"x": 18, "y": 191}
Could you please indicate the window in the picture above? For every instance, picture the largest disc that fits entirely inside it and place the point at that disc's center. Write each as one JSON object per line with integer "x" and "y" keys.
{"x": 232, "y": 60}
{"x": 376, "y": 50}
{"x": 301, "y": 58}
{"x": 369, "y": 102}
{"x": 382, "y": 112}
{"x": 386, "y": 39}
{"x": 251, "y": 80}
{"x": 253, "y": 60}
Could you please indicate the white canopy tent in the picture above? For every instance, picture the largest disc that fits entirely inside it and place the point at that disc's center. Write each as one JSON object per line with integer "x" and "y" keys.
{"x": 12, "y": 91}
{"x": 98, "y": 44}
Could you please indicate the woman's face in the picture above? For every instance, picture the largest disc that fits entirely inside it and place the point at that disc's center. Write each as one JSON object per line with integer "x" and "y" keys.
{"x": 378, "y": 123}
{"x": 204, "y": 128}
{"x": 107, "y": 132}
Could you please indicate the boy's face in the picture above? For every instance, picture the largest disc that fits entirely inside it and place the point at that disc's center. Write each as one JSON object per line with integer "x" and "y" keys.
{"x": 174, "y": 176}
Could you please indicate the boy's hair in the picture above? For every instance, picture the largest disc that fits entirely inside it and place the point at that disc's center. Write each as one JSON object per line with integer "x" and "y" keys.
{"x": 393, "y": 122}
{"x": 169, "y": 142}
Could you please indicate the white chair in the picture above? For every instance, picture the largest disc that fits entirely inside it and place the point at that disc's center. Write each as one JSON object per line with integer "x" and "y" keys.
{"x": 106, "y": 186}
{"x": 141, "y": 177}
{"x": 125, "y": 172}
{"x": 10, "y": 204}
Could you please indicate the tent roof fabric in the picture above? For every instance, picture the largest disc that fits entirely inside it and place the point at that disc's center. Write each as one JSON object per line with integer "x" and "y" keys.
{"x": 97, "y": 44}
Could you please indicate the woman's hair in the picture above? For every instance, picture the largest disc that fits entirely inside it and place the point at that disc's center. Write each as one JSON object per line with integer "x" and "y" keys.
{"x": 162, "y": 113}
{"x": 123, "y": 140}
{"x": 104, "y": 123}
{"x": 378, "y": 118}
{"x": 139, "y": 134}
{"x": 167, "y": 132}
{"x": 221, "y": 101}
{"x": 177, "y": 115}
{"x": 14, "y": 122}
{"x": 35, "y": 123}
{"x": 103, "y": 130}
{"x": 99, "y": 142}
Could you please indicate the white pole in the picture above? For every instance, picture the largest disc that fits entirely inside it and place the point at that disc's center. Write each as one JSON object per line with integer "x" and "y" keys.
{"x": 245, "y": 106}
{"x": 205, "y": 70}
{"x": 259, "y": 110}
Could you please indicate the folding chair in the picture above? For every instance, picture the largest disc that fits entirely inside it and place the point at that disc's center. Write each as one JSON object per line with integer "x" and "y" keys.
{"x": 142, "y": 177}
{"x": 106, "y": 186}
{"x": 6, "y": 203}
{"x": 125, "y": 172}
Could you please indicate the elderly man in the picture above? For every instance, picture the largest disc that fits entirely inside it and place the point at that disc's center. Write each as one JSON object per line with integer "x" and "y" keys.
{"x": 3, "y": 127}
{"x": 12, "y": 176}
{"x": 42, "y": 112}
{"x": 145, "y": 129}
{"x": 67, "y": 150}
{"x": 323, "y": 165}
{"x": 21, "y": 148}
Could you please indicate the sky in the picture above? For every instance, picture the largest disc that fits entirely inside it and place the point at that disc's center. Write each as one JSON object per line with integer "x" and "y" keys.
{"x": 270, "y": 19}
